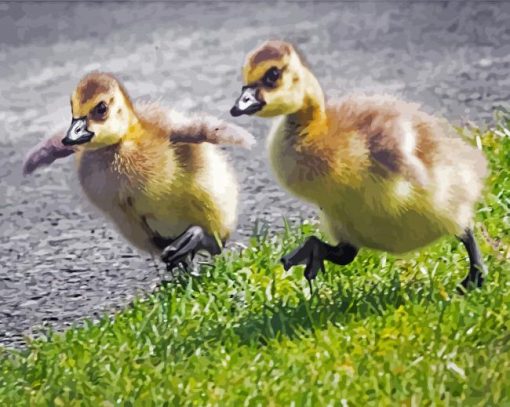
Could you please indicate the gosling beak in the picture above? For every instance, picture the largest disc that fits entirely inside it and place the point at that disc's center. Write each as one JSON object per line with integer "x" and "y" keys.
{"x": 248, "y": 102}
{"x": 77, "y": 133}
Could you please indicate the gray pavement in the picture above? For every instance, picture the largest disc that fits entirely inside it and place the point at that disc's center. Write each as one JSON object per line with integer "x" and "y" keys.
{"x": 60, "y": 261}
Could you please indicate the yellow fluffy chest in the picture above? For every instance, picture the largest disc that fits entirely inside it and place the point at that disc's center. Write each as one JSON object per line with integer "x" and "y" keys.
{"x": 297, "y": 169}
{"x": 356, "y": 205}
{"x": 113, "y": 195}
{"x": 385, "y": 215}
{"x": 142, "y": 205}
{"x": 166, "y": 208}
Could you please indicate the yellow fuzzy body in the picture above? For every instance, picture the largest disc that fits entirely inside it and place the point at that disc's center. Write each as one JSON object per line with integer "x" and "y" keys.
{"x": 326, "y": 160}
{"x": 150, "y": 187}
{"x": 384, "y": 174}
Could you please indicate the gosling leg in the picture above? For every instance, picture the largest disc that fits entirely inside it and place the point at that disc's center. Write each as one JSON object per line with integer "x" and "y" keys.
{"x": 476, "y": 266}
{"x": 184, "y": 247}
{"x": 314, "y": 251}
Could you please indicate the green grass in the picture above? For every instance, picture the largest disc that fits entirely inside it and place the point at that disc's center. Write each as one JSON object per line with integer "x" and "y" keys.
{"x": 381, "y": 331}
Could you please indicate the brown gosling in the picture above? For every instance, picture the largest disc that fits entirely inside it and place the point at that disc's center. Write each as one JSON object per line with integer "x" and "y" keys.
{"x": 155, "y": 173}
{"x": 384, "y": 174}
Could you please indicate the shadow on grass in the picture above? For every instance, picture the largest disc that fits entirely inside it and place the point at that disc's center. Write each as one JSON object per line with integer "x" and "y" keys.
{"x": 278, "y": 319}
{"x": 347, "y": 304}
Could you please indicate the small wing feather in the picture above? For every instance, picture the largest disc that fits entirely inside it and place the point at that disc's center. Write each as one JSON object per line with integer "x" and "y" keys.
{"x": 194, "y": 129}
{"x": 208, "y": 129}
{"x": 390, "y": 152}
{"x": 46, "y": 152}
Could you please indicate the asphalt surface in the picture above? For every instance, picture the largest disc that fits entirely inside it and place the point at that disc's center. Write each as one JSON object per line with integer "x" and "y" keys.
{"x": 60, "y": 261}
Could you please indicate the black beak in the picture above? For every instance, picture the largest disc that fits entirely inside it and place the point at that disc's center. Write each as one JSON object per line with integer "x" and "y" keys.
{"x": 77, "y": 133}
{"x": 247, "y": 103}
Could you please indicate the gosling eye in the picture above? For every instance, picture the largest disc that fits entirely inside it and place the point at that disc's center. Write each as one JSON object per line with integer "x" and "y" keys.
{"x": 271, "y": 76}
{"x": 99, "y": 111}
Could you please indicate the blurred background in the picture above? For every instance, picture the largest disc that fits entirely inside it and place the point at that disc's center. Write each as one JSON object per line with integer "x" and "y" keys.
{"x": 59, "y": 260}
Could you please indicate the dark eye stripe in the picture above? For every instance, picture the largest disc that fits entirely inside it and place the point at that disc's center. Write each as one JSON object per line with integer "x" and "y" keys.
{"x": 99, "y": 111}
{"x": 271, "y": 76}
{"x": 101, "y": 108}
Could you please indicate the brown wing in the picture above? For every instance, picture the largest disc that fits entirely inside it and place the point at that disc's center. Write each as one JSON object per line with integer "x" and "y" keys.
{"x": 208, "y": 129}
{"x": 193, "y": 129}
{"x": 395, "y": 148}
{"x": 46, "y": 152}
{"x": 396, "y": 134}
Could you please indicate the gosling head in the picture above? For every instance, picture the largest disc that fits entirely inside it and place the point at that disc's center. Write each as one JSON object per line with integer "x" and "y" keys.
{"x": 273, "y": 77}
{"x": 102, "y": 112}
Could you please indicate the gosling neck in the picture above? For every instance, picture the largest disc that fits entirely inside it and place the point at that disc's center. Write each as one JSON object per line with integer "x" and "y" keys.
{"x": 310, "y": 119}
{"x": 134, "y": 129}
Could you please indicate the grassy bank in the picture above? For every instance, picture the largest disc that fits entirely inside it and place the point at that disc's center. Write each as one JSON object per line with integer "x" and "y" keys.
{"x": 381, "y": 331}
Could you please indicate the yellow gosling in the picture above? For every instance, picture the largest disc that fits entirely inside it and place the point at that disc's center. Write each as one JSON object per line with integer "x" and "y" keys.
{"x": 384, "y": 174}
{"x": 155, "y": 173}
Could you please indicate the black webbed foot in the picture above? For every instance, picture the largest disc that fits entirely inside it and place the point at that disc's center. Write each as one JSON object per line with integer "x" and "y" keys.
{"x": 313, "y": 253}
{"x": 185, "y": 264}
{"x": 309, "y": 254}
{"x": 182, "y": 250}
{"x": 474, "y": 279}
{"x": 477, "y": 268}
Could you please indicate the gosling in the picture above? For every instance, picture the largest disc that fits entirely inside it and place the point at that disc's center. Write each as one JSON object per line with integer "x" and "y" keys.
{"x": 384, "y": 174}
{"x": 155, "y": 173}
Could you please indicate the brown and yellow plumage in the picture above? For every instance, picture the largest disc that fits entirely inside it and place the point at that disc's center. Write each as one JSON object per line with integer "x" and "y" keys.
{"x": 384, "y": 174}
{"x": 152, "y": 171}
